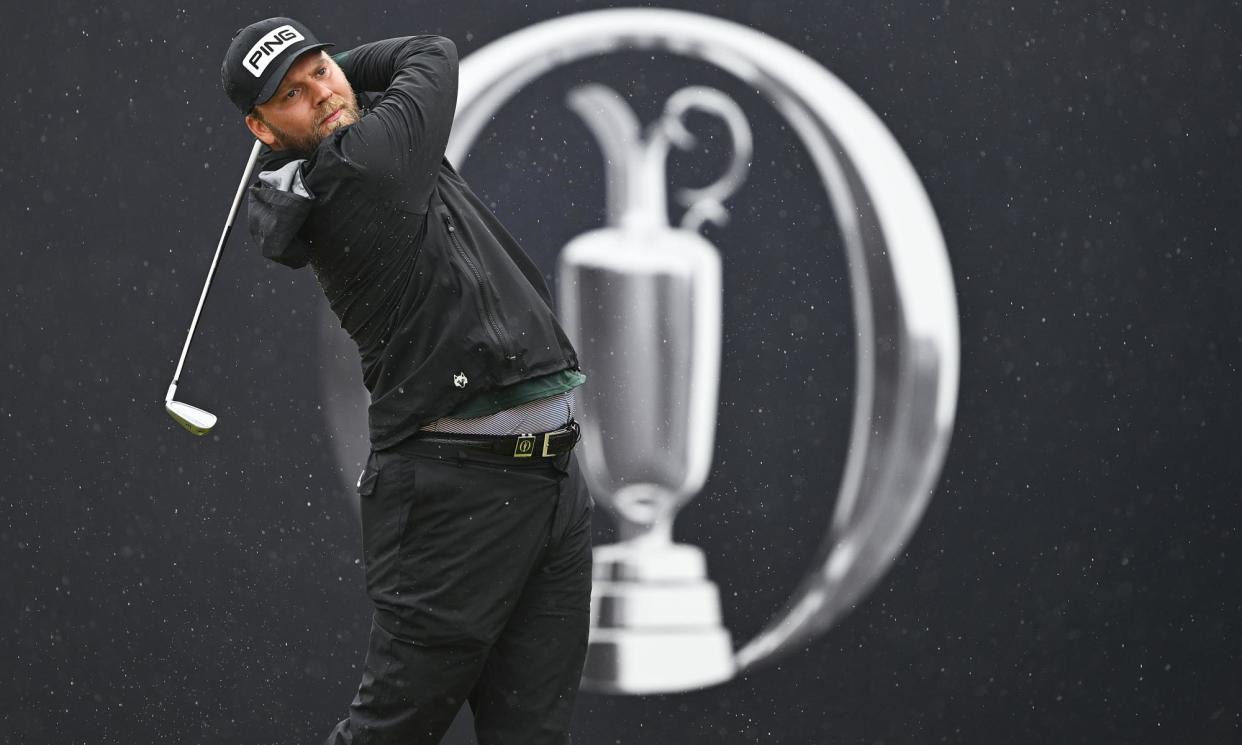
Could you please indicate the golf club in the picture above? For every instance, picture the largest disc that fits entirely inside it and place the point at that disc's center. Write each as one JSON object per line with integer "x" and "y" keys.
{"x": 193, "y": 418}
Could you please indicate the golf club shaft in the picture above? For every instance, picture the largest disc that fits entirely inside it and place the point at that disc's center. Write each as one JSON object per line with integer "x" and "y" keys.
{"x": 215, "y": 262}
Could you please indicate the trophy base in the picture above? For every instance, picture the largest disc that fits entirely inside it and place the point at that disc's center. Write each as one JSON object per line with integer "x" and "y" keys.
{"x": 655, "y": 622}
{"x": 641, "y": 661}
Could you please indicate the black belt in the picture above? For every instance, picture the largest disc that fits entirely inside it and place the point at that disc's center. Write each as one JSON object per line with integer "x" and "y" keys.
{"x": 537, "y": 445}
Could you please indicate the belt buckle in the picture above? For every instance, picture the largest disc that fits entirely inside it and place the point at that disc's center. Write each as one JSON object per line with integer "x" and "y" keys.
{"x": 547, "y": 439}
{"x": 525, "y": 446}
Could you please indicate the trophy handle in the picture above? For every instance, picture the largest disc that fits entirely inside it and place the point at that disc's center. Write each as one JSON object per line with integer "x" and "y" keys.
{"x": 706, "y": 203}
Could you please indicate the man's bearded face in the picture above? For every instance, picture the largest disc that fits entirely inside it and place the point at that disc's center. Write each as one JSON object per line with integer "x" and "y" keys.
{"x": 313, "y": 99}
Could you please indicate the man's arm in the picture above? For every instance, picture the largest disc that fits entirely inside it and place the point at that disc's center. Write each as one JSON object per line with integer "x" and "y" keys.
{"x": 405, "y": 133}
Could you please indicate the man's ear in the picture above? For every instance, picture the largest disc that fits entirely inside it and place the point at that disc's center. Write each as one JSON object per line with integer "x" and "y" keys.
{"x": 260, "y": 130}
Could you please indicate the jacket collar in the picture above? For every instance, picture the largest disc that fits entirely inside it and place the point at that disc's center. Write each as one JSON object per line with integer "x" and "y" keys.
{"x": 276, "y": 215}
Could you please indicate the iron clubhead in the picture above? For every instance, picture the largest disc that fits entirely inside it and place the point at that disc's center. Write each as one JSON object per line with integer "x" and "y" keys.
{"x": 192, "y": 418}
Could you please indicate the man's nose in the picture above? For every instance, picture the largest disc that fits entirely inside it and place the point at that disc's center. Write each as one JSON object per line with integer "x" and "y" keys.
{"x": 322, "y": 93}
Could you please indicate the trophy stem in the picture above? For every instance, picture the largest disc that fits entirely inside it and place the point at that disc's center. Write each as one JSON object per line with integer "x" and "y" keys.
{"x": 654, "y": 534}
{"x": 645, "y": 513}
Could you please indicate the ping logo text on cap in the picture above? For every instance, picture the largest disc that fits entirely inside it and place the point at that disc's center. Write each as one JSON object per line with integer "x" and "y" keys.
{"x": 269, "y": 47}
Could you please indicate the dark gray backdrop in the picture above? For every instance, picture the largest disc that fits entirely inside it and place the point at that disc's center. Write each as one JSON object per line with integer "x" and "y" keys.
{"x": 1074, "y": 580}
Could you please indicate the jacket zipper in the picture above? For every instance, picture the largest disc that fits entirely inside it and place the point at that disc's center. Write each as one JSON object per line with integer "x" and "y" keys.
{"x": 488, "y": 314}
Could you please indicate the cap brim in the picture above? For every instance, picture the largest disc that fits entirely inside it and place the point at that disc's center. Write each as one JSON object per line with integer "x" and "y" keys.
{"x": 269, "y": 88}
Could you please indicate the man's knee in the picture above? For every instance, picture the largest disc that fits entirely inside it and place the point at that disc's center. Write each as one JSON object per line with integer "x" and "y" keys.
{"x": 427, "y": 628}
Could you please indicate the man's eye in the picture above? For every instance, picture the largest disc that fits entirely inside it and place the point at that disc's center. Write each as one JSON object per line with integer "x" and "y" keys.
{"x": 291, "y": 93}
{"x": 323, "y": 71}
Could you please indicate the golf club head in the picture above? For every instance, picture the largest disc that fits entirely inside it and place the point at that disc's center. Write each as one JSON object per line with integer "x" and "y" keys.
{"x": 192, "y": 418}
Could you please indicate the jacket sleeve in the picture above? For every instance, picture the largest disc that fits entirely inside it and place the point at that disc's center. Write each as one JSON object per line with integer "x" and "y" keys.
{"x": 403, "y": 137}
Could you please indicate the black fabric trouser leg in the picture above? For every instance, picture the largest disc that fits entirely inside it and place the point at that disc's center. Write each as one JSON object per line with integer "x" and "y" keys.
{"x": 479, "y": 567}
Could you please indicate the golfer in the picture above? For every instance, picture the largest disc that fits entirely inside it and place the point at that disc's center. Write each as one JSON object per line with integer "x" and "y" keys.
{"x": 475, "y": 518}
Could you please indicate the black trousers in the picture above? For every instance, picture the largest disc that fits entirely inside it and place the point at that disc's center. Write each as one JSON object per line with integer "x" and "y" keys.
{"x": 479, "y": 568}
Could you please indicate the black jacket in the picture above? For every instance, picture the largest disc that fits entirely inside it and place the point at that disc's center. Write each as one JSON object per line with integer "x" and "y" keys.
{"x": 440, "y": 299}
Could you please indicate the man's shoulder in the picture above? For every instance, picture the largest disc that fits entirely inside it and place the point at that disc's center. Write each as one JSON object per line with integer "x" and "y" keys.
{"x": 332, "y": 175}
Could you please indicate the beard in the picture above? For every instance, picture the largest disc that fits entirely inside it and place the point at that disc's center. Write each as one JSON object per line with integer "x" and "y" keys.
{"x": 307, "y": 142}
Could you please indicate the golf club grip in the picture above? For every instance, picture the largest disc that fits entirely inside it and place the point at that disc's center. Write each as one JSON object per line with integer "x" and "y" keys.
{"x": 215, "y": 261}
